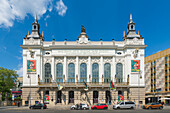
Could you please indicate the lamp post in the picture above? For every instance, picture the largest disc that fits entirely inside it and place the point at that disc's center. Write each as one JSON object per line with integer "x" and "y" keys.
{"x": 30, "y": 89}
{"x": 139, "y": 76}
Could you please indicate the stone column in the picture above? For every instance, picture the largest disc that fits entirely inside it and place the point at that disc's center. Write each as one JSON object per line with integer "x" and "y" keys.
{"x": 102, "y": 98}
{"x": 125, "y": 95}
{"x": 64, "y": 98}
{"x": 101, "y": 69}
{"x": 114, "y": 96}
{"x": 52, "y": 97}
{"x": 77, "y": 68}
{"x": 89, "y": 69}
{"x": 113, "y": 69}
{"x": 77, "y": 97}
{"x": 65, "y": 68}
{"x": 53, "y": 69}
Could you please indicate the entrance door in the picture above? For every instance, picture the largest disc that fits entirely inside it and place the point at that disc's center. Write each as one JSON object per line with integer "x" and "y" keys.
{"x": 59, "y": 97}
{"x": 95, "y": 96}
{"x": 71, "y": 96}
{"x": 108, "y": 97}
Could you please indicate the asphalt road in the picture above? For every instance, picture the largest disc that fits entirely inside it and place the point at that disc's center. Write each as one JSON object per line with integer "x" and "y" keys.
{"x": 82, "y": 111}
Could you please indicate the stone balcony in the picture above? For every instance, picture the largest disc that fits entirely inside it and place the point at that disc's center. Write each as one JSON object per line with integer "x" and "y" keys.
{"x": 81, "y": 84}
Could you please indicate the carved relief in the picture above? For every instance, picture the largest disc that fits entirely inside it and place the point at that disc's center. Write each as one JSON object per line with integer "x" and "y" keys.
{"x": 47, "y": 60}
{"x": 107, "y": 59}
{"x": 59, "y": 60}
{"x": 83, "y": 52}
{"x": 71, "y": 59}
{"x": 95, "y": 59}
{"x": 119, "y": 60}
{"x": 83, "y": 59}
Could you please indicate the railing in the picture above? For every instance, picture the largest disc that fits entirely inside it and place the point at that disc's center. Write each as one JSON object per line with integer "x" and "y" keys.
{"x": 81, "y": 84}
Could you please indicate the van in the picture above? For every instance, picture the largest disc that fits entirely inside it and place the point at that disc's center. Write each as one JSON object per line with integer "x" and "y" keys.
{"x": 125, "y": 105}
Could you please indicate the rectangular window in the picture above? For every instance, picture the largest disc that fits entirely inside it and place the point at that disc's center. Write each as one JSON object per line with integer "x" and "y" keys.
{"x": 26, "y": 103}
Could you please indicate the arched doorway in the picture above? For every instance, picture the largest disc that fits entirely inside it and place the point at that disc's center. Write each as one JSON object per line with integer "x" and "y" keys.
{"x": 95, "y": 96}
{"x": 71, "y": 96}
{"x": 108, "y": 97}
{"x": 59, "y": 93}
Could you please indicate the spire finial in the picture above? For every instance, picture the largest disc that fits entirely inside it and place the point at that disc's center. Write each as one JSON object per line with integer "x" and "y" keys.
{"x": 35, "y": 17}
{"x": 131, "y": 17}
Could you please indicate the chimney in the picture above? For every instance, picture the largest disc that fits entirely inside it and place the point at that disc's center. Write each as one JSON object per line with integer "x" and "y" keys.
{"x": 101, "y": 41}
{"x": 28, "y": 32}
{"x": 42, "y": 33}
{"x": 65, "y": 41}
{"x": 113, "y": 39}
{"x": 123, "y": 33}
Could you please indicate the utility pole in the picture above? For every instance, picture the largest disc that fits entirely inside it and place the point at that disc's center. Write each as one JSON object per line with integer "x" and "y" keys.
{"x": 139, "y": 76}
{"x": 30, "y": 89}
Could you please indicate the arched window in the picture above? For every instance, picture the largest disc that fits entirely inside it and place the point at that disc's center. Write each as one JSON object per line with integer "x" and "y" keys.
{"x": 95, "y": 72}
{"x": 83, "y": 72}
{"x": 59, "y": 72}
{"x": 47, "y": 72}
{"x": 107, "y": 72}
{"x": 71, "y": 72}
{"x": 119, "y": 72}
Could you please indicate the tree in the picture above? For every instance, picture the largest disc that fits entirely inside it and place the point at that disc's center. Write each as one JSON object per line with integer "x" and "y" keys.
{"x": 7, "y": 79}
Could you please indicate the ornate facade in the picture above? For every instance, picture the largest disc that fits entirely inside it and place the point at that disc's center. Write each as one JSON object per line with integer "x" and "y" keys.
{"x": 73, "y": 63}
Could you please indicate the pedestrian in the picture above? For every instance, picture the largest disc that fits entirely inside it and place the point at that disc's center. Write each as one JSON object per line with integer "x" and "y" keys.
{"x": 18, "y": 104}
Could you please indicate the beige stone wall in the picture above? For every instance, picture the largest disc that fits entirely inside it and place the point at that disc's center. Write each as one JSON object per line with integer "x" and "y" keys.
{"x": 80, "y": 96}
{"x": 34, "y": 95}
{"x": 133, "y": 95}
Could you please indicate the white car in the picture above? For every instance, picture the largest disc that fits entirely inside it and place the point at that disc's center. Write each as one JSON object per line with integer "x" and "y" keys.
{"x": 125, "y": 105}
{"x": 79, "y": 107}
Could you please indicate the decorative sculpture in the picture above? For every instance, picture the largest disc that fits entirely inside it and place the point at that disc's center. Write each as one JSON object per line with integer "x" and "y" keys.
{"x": 82, "y": 28}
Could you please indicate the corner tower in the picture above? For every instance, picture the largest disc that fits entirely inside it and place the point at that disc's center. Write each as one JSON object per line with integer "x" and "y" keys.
{"x": 36, "y": 31}
{"x": 131, "y": 34}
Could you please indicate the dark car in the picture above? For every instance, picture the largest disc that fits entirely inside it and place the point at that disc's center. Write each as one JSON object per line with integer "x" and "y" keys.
{"x": 99, "y": 106}
{"x": 38, "y": 106}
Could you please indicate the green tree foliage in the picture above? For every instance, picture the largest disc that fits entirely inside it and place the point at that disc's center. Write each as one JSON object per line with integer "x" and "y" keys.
{"x": 7, "y": 79}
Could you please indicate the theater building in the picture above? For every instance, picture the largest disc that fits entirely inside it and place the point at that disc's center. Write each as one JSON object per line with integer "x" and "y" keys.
{"x": 73, "y": 62}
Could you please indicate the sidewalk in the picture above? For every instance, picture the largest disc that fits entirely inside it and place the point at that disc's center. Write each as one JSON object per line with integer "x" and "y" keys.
{"x": 59, "y": 107}
{"x": 14, "y": 107}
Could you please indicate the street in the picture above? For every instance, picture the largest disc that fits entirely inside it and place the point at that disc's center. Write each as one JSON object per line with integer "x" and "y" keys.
{"x": 82, "y": 111}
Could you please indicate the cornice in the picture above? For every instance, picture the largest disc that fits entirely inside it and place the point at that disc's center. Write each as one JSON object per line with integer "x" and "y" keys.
{"x": 50, "y": 47}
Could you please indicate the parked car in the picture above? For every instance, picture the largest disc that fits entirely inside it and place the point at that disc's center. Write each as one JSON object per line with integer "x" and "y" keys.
{"x": 38, "y": 106}
{"x": 153, "y": 106}
{"x": 125, "y": 105}
{"x": 79, "y": 107}
{"x": 99, "y": 106}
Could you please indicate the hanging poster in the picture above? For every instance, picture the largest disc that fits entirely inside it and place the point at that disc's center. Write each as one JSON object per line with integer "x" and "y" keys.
{"x": 46, "y": 99}
{"x": 31, "y": 65}
{"x": 120, "y": 98}
{"x": 135, "y": 65}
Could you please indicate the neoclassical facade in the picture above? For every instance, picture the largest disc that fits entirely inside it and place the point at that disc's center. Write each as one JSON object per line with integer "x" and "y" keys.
{"x": 73, "y": 63}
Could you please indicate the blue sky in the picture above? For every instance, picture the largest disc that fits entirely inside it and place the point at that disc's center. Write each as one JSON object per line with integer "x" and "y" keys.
{"x": 62, "y": 19}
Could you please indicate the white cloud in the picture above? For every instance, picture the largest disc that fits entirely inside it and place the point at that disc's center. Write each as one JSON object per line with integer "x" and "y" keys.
{"x": 61, "y": 8}
{"x": 11, "y": 10}
{"x": 20, "y": 70}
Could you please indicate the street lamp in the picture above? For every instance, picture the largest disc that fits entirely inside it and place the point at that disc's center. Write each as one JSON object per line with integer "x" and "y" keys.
{"x": 139, "y": 77}
{"x": 30, "y": 89}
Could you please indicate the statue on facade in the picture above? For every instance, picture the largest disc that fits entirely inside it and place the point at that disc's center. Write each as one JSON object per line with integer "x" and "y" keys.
{"x": 82, "y": 28}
